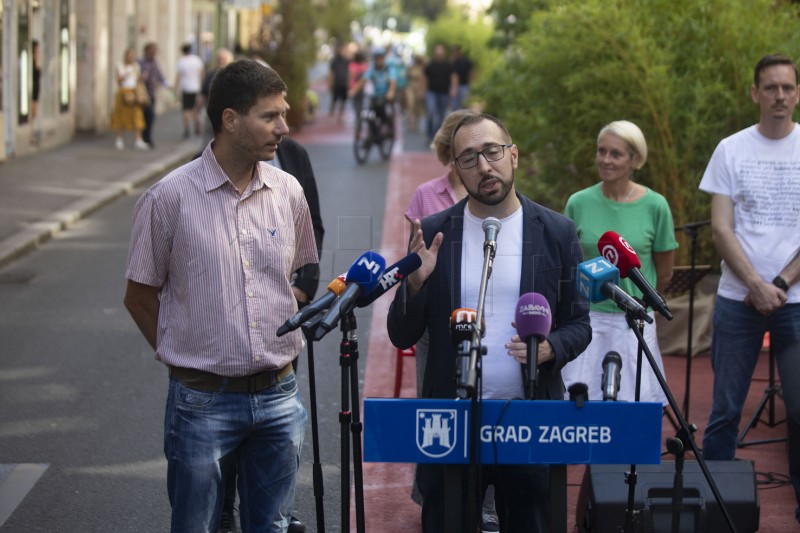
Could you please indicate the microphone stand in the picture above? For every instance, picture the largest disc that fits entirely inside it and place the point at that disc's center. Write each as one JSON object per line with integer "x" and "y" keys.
{"x": 691, "y": 231}
{"x": 685, "y": 432}
{"x": 469, "y": 389}
{"x": 319, "y": 489}
{"x": 350, "y": 416}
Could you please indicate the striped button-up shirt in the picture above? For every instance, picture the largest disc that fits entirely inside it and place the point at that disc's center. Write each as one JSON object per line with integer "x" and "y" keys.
{"x": 223, "y": 263}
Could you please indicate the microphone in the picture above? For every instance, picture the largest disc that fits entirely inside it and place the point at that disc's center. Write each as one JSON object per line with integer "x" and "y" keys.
{"x": 362, "y": 277}
{"x": 335, "y": 288}
{"x": 612, "y": 365}
{"x": 391, "y": 276}
{"x": 621, "y": 254}
{"x": 533, "y": 320}
{"x": 597, "y": 281}
{"x": 491, "y": 227}
{"x": 462, "y": 329}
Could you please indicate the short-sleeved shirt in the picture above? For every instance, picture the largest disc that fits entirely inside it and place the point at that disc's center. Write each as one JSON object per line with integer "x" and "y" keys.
{"x": 438, "y": 74}
{"x": 431, "y": 197}
{"x": 463, "y": 68}
{"x": 129, "y": 74}
{"x": 646, "y": 223}
{"x": 762, "y": 177}
{"x": 381, "y": 80}
{"x": 339, "y": 69}
{"x": 223, "y": 262}
{"x": 190, "y": 73}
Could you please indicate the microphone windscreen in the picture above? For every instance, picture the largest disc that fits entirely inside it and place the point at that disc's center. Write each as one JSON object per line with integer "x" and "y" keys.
{"x": 366, "y": 271}
{"x": 462, "y": 324}
{"x": 533, "y": 316}
{"x": 393, "y": 275}
{"x": 337, "y": 285}
{"x": 592, "y": 275}
{"x": 491, "y": 227}
{"x": 618, "y": 252}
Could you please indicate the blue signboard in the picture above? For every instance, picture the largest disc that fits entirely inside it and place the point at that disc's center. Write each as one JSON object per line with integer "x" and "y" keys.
{"x": 512, "y": 432}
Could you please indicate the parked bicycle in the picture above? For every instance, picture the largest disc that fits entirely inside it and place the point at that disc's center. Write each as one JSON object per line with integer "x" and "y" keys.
{"x": 375, "y": 126}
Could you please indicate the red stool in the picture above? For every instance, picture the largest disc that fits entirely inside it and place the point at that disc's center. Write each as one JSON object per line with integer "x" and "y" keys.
{"x": 398, "y": 371}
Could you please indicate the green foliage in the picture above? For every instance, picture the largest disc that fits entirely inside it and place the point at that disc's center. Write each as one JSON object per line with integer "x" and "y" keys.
{"x": 335, "y": 18}
{"x": 681, "y": 70}
{"x": 512, "y": 18}
{"x": 455, "y": 28}
{"x": 429, "y": 9}
{"x": 294, "y": 53}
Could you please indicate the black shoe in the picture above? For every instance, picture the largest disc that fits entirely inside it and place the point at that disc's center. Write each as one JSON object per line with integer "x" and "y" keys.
{"x": 296, "y": 526}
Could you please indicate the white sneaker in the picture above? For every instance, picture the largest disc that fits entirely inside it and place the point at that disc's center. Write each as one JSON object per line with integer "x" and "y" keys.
{"x": 141, "y": 145}
{"x": 120, "y": 144}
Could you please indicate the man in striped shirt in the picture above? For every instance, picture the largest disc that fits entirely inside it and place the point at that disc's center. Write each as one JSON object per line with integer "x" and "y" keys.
{"x": 213, "y": 248}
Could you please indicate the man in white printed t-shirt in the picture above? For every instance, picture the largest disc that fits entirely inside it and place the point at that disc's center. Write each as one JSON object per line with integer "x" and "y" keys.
{"x": 754, "y": 180}
{"x": 189, "y": 82}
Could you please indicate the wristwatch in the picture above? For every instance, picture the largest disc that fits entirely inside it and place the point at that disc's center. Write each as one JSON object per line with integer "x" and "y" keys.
{"x": 781, "y": 283}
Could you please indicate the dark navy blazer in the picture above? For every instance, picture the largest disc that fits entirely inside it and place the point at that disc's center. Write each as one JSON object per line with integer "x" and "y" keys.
{"x": 551, "y": 253}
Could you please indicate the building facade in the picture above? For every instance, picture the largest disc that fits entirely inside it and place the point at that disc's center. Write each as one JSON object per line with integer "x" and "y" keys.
{"x": 79, "y": 43}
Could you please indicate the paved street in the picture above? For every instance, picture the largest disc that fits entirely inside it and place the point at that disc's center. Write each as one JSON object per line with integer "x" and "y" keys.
{"x": 81, "y": 425}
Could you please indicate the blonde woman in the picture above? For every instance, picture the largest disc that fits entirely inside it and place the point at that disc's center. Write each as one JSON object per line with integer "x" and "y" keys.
{"x": 642, "y": 216}
{"x": 128, "y": 114}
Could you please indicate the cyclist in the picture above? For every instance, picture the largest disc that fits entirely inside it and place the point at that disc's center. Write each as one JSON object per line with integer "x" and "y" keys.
{"x": 380, "y": 86}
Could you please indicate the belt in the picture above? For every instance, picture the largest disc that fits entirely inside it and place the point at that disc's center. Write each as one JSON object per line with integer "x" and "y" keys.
{"x": 198, "y": 379}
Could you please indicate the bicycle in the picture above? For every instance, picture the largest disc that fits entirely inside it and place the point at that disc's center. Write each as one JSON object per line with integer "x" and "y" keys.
{"x": 373, "y": 127}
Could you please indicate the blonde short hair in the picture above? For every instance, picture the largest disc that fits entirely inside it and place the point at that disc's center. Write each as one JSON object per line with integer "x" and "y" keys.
{"x": 632, "y": 135}
{"x": 442, "y": 139}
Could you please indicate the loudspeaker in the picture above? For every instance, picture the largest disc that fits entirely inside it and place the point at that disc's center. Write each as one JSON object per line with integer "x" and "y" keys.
{"x": 603, "y": 497}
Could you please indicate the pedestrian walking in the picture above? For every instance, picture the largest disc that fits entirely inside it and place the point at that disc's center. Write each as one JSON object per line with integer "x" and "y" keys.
{"x": 153, "y": 78}
{"x": 188, "y": 83}
{"x": 127, "y": 114}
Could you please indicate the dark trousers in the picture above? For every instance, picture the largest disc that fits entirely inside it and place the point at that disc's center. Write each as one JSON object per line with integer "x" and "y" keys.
{"x": 522, "y": 497}
{"x": 149, "y": 118}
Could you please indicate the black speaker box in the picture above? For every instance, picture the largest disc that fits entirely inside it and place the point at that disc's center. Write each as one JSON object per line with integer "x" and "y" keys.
{"x": 603, "y": 498}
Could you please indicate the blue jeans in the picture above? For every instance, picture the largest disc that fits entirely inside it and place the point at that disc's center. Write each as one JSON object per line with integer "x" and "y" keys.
{"x": 436, "y": 104}
{"x": 736, "y": 341}
{"x": 461, "y": 96}
{"x": 206, "y": 433}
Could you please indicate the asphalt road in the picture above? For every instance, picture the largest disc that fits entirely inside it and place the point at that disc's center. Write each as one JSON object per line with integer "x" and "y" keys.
{"x": 82, "y": 394}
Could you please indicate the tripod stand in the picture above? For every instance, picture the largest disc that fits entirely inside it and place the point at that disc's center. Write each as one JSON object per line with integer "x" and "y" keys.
{"x": 319, "y": 489}
{"x": 350, "y": 416}
{"x": 773, "y": 389}
{"x": 631, "y": 515}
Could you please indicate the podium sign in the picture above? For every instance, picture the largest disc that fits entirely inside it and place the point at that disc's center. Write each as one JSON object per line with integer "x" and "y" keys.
{"x": 512, "y": 432}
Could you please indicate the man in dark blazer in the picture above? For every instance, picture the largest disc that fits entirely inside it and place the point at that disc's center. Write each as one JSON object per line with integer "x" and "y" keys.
{"x": 293, "y": 158}
{"x": 540, "y": 253}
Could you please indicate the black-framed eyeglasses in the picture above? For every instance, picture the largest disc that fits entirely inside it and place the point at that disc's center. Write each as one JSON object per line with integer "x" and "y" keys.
{"x": 494, "y": 152}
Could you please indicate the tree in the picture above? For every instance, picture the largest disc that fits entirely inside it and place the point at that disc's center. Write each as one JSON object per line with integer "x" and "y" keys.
{"x": 512, "y": 18}
{"x": 294, "y": 53}
{"x": 429, "y": 9}
{"x": 680, "y": 70}
{"x": 455, "y": 28}
{"x": 336, "y": 16}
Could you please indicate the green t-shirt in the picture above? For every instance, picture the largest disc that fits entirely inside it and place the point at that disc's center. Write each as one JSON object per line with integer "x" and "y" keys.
{"x": 645, "y": 223}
